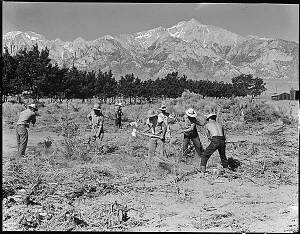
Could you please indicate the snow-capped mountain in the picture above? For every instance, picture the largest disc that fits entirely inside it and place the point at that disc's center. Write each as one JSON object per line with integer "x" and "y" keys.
{"x": 197, "y": 50}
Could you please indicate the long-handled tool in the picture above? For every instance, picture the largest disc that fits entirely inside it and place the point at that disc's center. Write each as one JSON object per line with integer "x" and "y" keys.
{"x": 134, "y": 132}
{"x": 233, "y": 142}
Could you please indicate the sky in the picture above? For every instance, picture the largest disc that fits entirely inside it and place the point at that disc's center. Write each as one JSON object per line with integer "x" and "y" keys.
{"x": 90, "y": 21}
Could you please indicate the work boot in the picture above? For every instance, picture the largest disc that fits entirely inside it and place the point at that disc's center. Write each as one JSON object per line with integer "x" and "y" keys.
{"x": 225, "y": 164}
{"x": 202, "y": 171}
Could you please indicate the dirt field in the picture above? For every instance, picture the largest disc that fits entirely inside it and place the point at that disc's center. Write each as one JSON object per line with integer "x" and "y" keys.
{"x": 113, "y": 190}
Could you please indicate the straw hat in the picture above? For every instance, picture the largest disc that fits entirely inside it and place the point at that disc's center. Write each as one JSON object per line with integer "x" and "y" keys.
{"x": 97, "y": 106}
{"x": 163, "y": 107}
{"x": 191, "y": 113}
{"x": 210, "y": 115}
{"x": 33, "y": 106}
{"x": 151, "y": 113}
{"x": 118, "y": 104}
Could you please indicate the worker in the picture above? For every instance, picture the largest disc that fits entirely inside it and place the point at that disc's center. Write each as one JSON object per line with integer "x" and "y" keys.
{"x": 157, "y": 128}
{"x": 96, "y": 120}
{"x": 167, "y": 118}
{"x": 216, "y": 134}
{"x": 190, "y": 133}
{"x": 25, "y": 118}
{"x": 118, "y": 115}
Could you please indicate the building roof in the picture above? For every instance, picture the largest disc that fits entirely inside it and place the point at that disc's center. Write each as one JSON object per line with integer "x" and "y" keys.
{"x": 274, "y": 95}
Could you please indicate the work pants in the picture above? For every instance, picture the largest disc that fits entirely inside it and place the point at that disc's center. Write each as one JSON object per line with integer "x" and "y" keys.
{"x": 197, "y": 144}
{"x": 155, "y": 143}
{"x": 217, "y": 143}
{"x": 118, "y": 122}
{"x": 22, "y": 139}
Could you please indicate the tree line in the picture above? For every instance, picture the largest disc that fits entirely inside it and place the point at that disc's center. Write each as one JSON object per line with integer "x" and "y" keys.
{"x": 31, "y": 71}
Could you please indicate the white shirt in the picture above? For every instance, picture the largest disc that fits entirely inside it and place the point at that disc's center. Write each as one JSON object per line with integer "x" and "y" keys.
{"x": 26, "y": 117}
{"x": 165, "y": 118}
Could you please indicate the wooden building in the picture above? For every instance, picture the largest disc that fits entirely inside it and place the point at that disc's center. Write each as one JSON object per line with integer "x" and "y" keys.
{"x": 282, "y": 96}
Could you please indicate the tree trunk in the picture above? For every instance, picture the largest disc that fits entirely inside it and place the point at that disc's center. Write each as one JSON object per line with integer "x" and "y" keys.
{"x": 19, "y": 99}
{"x": 4, "y": 98}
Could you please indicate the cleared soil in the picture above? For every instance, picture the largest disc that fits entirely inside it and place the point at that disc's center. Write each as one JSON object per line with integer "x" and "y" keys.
{"x": 213, "y": 203}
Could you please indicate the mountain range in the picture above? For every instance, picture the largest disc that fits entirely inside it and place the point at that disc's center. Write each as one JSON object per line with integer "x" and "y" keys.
{"x": 197, "y": 50}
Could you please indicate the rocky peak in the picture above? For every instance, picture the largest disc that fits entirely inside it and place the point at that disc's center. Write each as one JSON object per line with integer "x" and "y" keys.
{"x": 34, "y": 36}
{"x": 79, "y": 39}
{"x": 11, "y": 35}
{"x": 59, "y": 41}
{"x": 147, "y": 38}
{"x": 108, "y": 37}
{"x": 19, "y": 35}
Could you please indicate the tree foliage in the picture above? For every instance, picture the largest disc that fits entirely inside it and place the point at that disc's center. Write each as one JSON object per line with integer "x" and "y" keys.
{"x": 247, "y": 85}
{"x": 31, "y": 70}
{"x": 9, "y": 66}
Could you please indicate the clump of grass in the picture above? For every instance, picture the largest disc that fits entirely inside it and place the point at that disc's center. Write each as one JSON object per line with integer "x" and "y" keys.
{"x": 258, "y": 112}
{"x": 72, "y": 146}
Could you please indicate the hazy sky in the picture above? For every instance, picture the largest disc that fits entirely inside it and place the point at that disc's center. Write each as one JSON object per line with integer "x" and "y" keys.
{"x": 68, "y": 21}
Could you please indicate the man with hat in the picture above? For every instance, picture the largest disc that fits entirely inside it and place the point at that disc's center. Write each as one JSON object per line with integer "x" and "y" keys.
{"x": 26, "y": 117}
{"x": 96, "y": 120}
{"x": 216, "y": 134}
{"x": 157, "y": 128}
{"x": 118, "y": 115}
{"x": 190, "y": 133}
{"x": 165, "y": 117}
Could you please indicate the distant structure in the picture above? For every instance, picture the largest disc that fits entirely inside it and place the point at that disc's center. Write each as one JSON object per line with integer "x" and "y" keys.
{"x": 294, "y": 94}
{"x": 282, "y": 96}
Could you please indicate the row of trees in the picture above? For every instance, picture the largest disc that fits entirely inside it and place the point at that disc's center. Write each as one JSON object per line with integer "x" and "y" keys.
{"x": 32, "y": 71}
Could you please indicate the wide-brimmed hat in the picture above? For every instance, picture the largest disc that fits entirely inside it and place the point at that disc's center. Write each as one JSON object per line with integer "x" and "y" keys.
{"x": 210, "y": 115}
{"x": 163, "y": 107}
{"x": 151, "y": 113}
{"x": 33, "y": 106}
{"x": 191, "y": 113}
{"x": 97, "y": 106}
{"x": 118, "y": 104}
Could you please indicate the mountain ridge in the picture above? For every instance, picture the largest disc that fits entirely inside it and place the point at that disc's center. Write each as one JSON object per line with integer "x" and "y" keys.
{"x": 189, "y": 47}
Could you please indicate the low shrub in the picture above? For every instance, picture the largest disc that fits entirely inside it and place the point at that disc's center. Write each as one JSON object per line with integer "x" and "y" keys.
{"x": 257, "y": 112}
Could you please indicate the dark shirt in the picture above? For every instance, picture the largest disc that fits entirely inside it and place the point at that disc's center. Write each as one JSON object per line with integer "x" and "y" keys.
{"x": 191, "y": 134}
{"x": 119, "y": 113}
